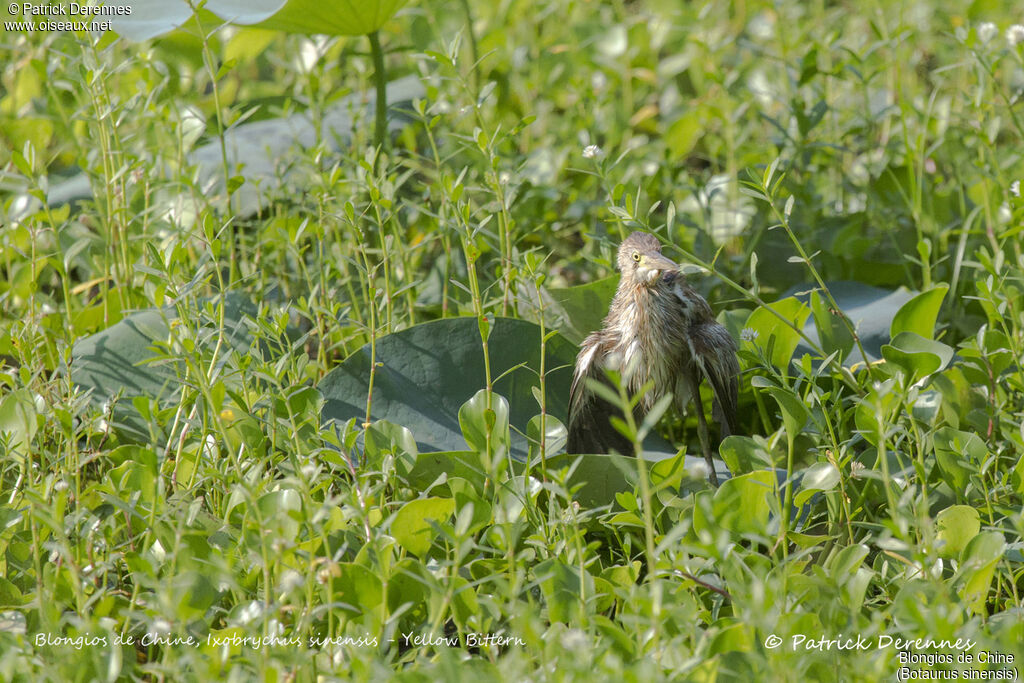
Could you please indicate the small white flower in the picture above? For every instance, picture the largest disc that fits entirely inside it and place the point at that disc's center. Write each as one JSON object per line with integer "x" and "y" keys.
{"x": 1015, "y": 188}
{"x": 748, "y": 334}
{"x": 987, "y": 31}
{"x": 591, "y": 152}
{"x": 1005, "y": 213}
{"x": 1015, "y": 35}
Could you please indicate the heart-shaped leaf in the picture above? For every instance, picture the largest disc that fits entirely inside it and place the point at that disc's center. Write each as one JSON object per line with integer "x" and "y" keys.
{"x": 917, "y": 356}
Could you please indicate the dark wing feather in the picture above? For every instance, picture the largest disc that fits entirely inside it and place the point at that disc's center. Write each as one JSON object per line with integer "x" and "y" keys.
{"x": 590, "y": 428}
{"x": 718, "y": 364}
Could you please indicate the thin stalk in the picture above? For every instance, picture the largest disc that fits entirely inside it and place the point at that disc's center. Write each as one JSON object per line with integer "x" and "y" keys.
{"x": 474, "y": 51}
{"x": 221, "y": 131}
{"x": 380, "y": 128}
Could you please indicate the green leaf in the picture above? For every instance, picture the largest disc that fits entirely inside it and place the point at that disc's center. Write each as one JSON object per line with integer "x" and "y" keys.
{"x": 957, "y": 525}
{"x": 574, "y": 311}
{"x": 137, "y": 473}
{"x": 10, "y": 596}
{"x": 832, "y": 331}
{"x": 383, "y": 437}
{"x": 333, "y": 18}
{"x": 868, "y": 416}
{"x": 151, "y": 19}
{"x": 357, "y": 588}
{"x": 774, "y": 333}
{"x": 411, "y": 525}
{"x": 408, "y": 588}
{"x": 958, "y": 454}
{"x": 564, "y": 588}
{"x": 794, "y": 411}
{"x": 848, "y": 560}
{"x": 744, "y": 454}
{"x": 555, "y": 435}
{"x": 919, "y": 314}
{"x": 978, "y": 566}
{"x": 731, "y": 635}
{"x": 464, "y": 601}
{"x": 477, "y": 421}
{"x": 819, "y": 477}
{"x": 741, "y": 504}
{"x": 280, "y": 509}
{"x": 195, "y": 592}
{"x": 426, "y": 373}
{"x": 917, "y": 356}
{"x": 247, "y": 44}
{"x": 18, "y": 423}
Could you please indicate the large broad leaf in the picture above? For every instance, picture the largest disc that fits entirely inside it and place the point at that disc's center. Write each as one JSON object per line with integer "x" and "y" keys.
{"x": 116, "y": 362}
{"x": 870, "y": 309}
{"x": 257, "y": 151}
{"x": 348, "y": 18}
{"x": 574, "y": 311}
{"x": 151, "y": 18}
{"x": 427, "y": 372}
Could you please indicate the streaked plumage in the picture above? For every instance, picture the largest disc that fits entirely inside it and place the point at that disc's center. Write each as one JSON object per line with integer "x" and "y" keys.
{"x": 658, "y": 328}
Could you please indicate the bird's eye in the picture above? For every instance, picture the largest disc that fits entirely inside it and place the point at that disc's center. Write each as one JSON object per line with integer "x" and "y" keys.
{"x": 636, "y": 256}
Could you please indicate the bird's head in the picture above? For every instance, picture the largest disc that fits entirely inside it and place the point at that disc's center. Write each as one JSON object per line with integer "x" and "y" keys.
{"x": 640, "y": 259}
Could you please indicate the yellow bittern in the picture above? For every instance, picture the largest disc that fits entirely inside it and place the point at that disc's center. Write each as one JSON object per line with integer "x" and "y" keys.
{"x": 658, "y": 331}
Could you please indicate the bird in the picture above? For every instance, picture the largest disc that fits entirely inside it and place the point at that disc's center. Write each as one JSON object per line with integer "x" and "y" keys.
{"x": 658, "y": 330}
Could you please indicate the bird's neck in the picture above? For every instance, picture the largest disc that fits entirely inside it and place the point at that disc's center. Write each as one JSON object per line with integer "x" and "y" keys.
{"x": 629, "y": 308}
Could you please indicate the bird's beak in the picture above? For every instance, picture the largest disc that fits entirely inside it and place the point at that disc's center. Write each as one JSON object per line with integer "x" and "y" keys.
{"x": 654, "y": 264}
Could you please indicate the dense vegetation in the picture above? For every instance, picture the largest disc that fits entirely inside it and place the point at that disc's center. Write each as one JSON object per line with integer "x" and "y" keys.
{"x": 841, "y": 181}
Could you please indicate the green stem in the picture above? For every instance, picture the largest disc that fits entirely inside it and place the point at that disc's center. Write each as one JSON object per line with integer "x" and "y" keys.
{"x": 380, "y": 81}
{"x": 787, "y": 506}
{"x": 472, "y": 42}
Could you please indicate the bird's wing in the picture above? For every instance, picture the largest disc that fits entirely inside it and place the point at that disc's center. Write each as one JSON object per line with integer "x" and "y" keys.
{"x": 715, "y": 356}
{"x": 590, "y": 428}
